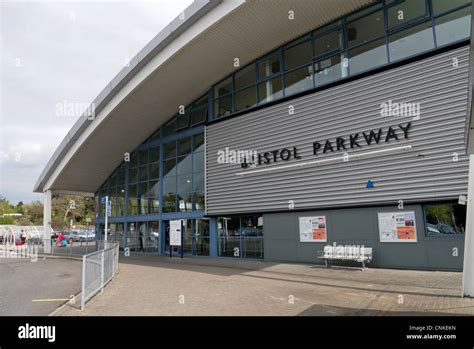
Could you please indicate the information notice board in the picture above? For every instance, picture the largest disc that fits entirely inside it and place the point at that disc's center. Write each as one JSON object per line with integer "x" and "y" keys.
{"x": 397, "y": 226}
{"x": 175, "y": 233}
{"x": 313, "y": 229}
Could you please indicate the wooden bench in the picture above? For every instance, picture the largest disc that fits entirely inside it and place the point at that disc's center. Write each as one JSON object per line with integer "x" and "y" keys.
{"x": 346, "y": 253}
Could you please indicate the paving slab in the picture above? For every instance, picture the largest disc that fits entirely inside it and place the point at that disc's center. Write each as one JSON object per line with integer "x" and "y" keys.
{"x": 159, "y": 285}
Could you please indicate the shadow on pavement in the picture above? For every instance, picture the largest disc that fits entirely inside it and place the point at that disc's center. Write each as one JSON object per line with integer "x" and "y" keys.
{"x": 331, "y": 310}
{"x": 213, "y": 266}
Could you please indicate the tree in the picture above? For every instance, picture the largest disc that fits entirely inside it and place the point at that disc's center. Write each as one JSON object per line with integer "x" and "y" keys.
{"x": 67, "y": 207}
{"x": 34, "y": 211}
{"x": 63, "y": 209}
{"x": 19, "y": 207}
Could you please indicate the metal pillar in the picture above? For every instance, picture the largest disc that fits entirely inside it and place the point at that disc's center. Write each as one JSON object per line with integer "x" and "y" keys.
{"x": 47, "y": 197}
{"x": 468, "y": 270}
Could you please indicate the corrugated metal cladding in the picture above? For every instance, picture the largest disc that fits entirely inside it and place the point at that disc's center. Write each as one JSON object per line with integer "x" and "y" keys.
{"x": 425, "y": 173}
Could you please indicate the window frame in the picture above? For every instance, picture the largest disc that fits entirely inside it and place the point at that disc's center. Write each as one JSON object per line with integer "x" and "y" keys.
{"x": 412, "y": 22}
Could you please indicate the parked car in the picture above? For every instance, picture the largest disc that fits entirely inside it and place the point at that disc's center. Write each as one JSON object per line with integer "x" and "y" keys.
{"x": 446, "y": 228}
{"x": 83, "y": 237}
{"x": 432, "y": 229}
{"x": 252, "y": 232}
{"x": 70, "y": 236}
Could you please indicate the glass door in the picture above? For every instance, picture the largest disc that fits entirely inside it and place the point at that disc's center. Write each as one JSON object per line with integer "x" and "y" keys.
{"x": 142, "y": 236}
{"x": 131, "y": 242}
{"x": 153, "y": 237}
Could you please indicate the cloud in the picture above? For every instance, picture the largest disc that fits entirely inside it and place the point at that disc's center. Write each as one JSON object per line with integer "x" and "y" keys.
{"x": 57, "y": 52}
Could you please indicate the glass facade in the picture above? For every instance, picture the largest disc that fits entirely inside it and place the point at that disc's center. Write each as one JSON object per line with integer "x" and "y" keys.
{"x": 164, "y": 178}
{"x": 195, "y": 238}
{"x": 240, "y": 236}
{"x": 384, "y": 33}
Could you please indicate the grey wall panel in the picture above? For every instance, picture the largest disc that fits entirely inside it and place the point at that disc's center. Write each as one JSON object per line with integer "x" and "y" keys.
{"x": 426, "y": 173}
{"x": 359, "y": 226}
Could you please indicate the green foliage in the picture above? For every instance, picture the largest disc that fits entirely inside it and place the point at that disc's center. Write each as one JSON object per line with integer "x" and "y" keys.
{"x": 7, "y": 220}
{"x": 64, "y": 208}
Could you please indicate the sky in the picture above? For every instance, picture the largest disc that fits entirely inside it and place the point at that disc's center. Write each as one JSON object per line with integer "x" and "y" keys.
{"x": 55, "y": 54}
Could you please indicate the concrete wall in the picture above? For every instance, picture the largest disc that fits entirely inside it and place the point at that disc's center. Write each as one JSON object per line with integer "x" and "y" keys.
{"x": 359, "y": 226}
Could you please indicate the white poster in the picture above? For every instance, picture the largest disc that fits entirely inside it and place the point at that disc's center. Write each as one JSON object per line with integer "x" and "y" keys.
{"x": 313, "y": 229}
{"x": 397, "y": 226}
{"x": 175, "y": 233}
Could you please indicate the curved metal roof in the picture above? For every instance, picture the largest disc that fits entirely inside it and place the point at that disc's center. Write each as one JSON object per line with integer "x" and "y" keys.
{"x": 193, "y": 52}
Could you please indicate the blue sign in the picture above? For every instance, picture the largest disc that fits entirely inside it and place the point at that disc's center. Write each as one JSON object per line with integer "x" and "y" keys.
{"x": 103, "y": 200}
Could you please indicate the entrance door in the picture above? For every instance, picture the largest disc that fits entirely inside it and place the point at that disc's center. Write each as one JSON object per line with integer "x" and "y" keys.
{"x": 142, "y": 236}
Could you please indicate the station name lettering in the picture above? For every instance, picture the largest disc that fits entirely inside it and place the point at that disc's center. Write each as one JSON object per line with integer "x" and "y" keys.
{"x": 343, "y": 143}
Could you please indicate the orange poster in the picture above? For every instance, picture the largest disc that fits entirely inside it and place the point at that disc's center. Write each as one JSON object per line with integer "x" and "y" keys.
{"x": 319, "y": 228}
{"x": 397, "y": 226}
{"x": 313, "y": 229}
{"x": 406, "y": 233}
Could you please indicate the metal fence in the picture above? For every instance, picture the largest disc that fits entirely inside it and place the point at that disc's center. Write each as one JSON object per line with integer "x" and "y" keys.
{"x": 34, "y": 238}
{"x": 72, "y": 248}
{"x": 98, "y": 268}
{"x": 33, "y": 232}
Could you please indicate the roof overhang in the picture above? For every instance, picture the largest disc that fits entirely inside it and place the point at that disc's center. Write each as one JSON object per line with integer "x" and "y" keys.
{"x": 194, "y": 51}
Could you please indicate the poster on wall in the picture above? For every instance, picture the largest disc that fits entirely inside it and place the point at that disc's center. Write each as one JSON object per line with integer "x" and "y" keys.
{"x": 397, "y": 226}
{"x": 175, "y": 233}
{"x": 313, "y": 229}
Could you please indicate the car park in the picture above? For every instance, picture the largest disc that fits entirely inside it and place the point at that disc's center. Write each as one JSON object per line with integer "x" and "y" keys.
{"x": 86, "y": 236}
{"x": 70, "y": 236}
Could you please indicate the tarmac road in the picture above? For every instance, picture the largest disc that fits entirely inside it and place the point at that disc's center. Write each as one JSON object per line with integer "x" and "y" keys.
{"x": 47, "y": 280}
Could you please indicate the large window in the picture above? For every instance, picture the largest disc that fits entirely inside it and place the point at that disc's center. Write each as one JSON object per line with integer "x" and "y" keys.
{"x": 245, "y": 98}
{"x": 411, "y": 41}
{"x": 299, "y": 80}
{"x": 373, "y": 54}
{"x": 121, "y": 181}
{"x": 159, "y": 177}
{"x": 112, "y": 193}
{"x": 143, "y": 181}
{"x": 240, "y": 236}
{"x": 117, "y": 233}
{"x": 406, "y": 11}
{"x": 365, "y": 29}
{"x": 185, "y": 177}
{"x": 223, "y": 98}
{"x": 329, "y": 69}
{"x": 183, "y": 182}
{"x": 169, "y": 177}
{"x": 445, "y": 219}
{"x": 143, "y": 236}
{"x": 386, "y": 32}
{"x": 131, "y": 236}
{"x": 453, "y": 27}
{"x": 194, "y": 114}
{"x": 298, "y": 54}
{"x": 132, "y": 185}
{"x": 328, "y": 42}
{"x": 196, "y": 237}
{"x": 443, "y": 6}
{"x": 198, "y": 172}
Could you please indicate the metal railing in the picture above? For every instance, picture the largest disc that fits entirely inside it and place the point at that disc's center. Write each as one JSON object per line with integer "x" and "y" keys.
{"x": 98, "y": 268}
{"x": 72, "y": 248}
